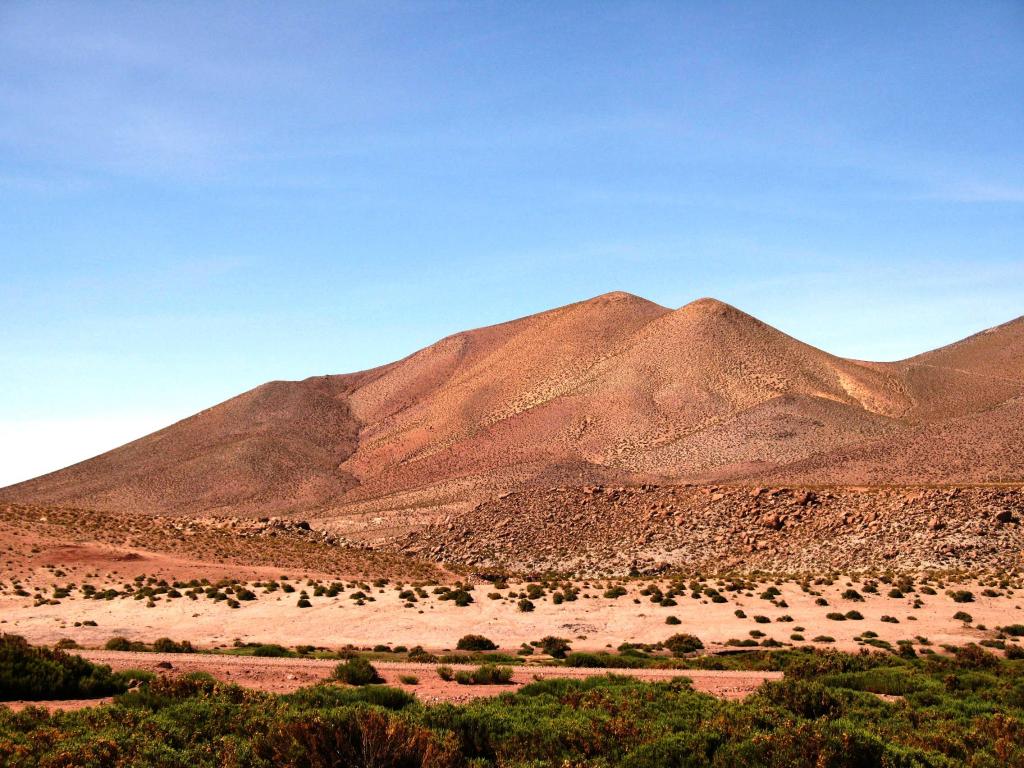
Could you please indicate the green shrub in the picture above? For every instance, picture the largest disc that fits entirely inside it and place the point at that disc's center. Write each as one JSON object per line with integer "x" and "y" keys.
{"x": 446, "y": 673}
{"x": 475, "y": 643}
{"x": 166, "y": 645}
{"x": 683, "y": 644}
{"x": 35, "y": 673}
{"x": 487, "y": 674}
{"x": 121, "y": 644}
{"x": 460, "y": 597}
{"x": 961, "y": 596}
{"x": 271, "y": 650}
{"x": 357, "y": 671}
{"x": 580, "y": 659}
{"x": 556, "y": 647}
{"x": 420, "y": 656}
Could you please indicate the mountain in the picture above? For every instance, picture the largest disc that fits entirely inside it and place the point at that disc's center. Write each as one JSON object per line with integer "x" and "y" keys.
{"x": 613, "y": 389}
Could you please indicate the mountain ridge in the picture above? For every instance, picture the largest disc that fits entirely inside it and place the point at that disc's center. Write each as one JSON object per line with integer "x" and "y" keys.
{"x": 613, "y": 388}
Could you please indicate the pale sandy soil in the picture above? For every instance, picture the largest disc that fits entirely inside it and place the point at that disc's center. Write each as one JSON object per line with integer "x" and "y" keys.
{"x": 286, "y": 675}
{"x": 596, "y": 623}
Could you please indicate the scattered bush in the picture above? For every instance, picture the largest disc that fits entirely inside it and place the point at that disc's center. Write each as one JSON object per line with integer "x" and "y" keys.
{"x": 683, "y": 644}
{"x": 487, "y": 674}
{"x": 357, "y": 671}
{"x": 271, "y": 650}
{"x": 420, "y": 656}
{"x": 166, "y": 645}
{"x": 556, "y": 647}
{"x": 123, "y": 644}
{"x": 475, "y": 643}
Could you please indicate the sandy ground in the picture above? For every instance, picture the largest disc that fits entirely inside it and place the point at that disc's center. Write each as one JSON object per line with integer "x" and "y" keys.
{"x": 286, "y": 675}
{"x": 594, "y": 623}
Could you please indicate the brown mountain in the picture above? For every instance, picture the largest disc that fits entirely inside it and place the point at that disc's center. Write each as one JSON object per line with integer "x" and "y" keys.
{"x": 614, "y": 389}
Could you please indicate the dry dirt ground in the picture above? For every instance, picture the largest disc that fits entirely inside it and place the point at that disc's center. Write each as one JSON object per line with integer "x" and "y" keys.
{"x": 591, "y": 622}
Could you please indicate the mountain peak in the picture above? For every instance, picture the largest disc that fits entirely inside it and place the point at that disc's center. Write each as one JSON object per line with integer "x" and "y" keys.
{"x": 710, "y": 306}
{"x": 610, "y": 387}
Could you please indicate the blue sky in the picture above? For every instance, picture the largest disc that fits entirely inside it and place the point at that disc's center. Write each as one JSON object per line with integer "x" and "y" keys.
{"x": 196, "y": 198}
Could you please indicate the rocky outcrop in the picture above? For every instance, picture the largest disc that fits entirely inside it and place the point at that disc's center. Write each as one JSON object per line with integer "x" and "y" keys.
{"x": 647, "y": 529}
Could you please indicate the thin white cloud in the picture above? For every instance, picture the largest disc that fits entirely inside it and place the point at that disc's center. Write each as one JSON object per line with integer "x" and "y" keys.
{"x": 975, "y": 192}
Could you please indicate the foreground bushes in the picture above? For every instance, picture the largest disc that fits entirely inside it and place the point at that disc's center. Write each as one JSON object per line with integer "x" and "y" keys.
{"x": 959, "y": 710}
{"x": 32, "y": 673}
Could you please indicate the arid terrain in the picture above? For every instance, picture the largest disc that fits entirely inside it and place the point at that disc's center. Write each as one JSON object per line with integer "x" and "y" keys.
{"x": 611, "y": 472}
{"x": 615, "y": 390}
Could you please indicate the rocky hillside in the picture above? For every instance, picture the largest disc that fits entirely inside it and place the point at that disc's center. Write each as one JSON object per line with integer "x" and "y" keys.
{"x": 614, "y": 530}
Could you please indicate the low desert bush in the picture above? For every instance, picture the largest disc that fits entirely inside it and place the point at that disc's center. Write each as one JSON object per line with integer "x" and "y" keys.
{"x": 683, "y": 644}
{"x": 555, "y": 647}
{"x": 486, "y": 674}
{"x": 475, "y": 643}
{"x": 357, "y": 671}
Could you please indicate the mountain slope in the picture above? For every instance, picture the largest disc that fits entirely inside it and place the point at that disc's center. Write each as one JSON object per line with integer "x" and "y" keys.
{"x": 615, "y": 388}
{"x": 275, "y": 447}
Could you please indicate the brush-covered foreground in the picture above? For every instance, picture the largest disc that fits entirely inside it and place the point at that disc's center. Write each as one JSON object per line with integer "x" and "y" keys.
{"x": 832, "y": 709}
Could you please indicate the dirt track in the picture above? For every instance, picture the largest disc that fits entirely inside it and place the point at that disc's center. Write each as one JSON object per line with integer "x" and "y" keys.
{"x": 285, "y": 675}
